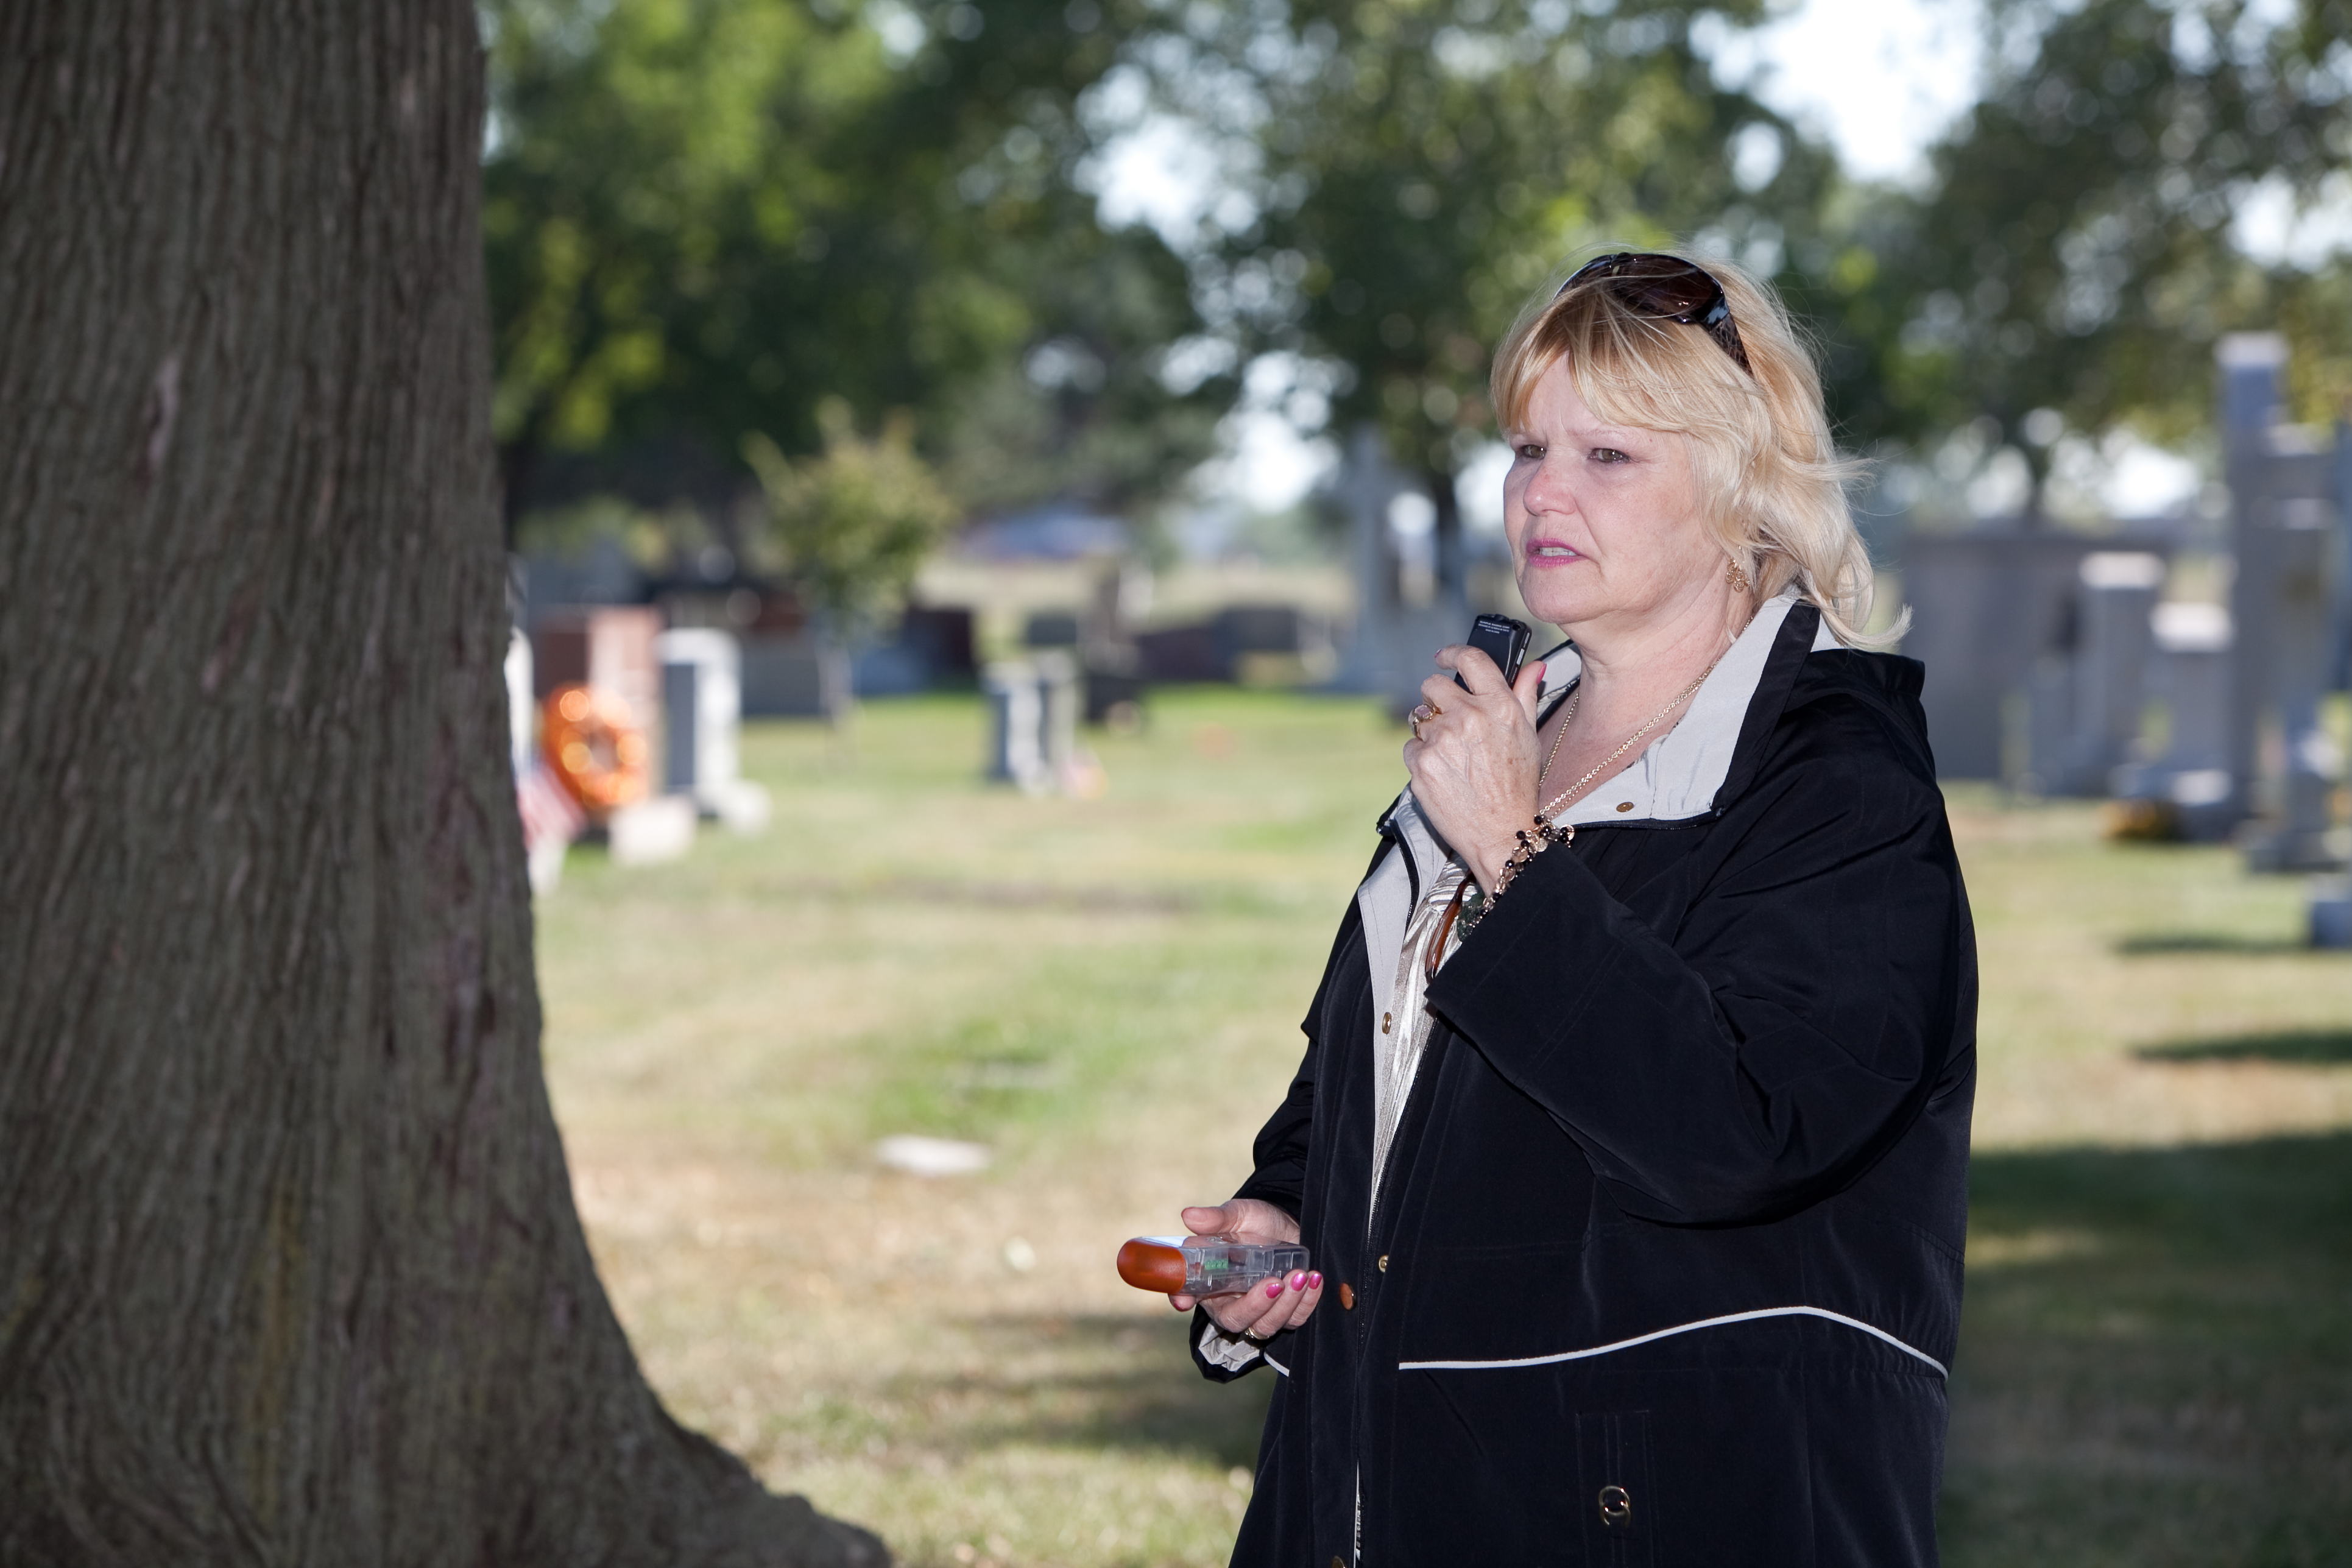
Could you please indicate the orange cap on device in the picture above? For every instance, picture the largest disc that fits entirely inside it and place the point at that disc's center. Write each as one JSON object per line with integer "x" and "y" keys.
{"x": 1151, "y": 1264}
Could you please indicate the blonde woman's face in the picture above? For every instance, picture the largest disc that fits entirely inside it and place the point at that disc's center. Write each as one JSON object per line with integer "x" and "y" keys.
{"x": 1604, "y": 520}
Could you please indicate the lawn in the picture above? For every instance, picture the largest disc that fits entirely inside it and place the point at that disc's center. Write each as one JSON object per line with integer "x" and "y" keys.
{"x": 1107, "y": 993}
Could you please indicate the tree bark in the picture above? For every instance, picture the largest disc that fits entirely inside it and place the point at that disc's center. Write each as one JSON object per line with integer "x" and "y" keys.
{"x": 290, "y": 1270}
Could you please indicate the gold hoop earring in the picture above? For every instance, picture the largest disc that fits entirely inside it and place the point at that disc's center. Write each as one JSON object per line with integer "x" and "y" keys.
{"x": 1737, "y": 578}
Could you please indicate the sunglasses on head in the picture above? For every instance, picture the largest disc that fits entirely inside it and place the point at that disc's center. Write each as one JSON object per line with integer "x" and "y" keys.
{"x": 1669, "y": 288}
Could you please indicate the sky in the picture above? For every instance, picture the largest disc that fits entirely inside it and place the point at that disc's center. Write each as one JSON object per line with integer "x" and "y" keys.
{"x": 1878, "y": 80}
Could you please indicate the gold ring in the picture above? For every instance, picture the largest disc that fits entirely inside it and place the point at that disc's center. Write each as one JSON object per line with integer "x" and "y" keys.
{"x": 1434, "y": 710}
{"x": 1412, "y": 721}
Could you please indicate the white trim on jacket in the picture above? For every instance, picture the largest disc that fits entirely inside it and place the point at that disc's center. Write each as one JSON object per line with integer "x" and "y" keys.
{"x": 1678, "y": 1329}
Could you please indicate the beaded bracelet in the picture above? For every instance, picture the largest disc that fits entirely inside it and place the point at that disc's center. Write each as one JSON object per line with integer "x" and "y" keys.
{"x": 1531, "y": 844}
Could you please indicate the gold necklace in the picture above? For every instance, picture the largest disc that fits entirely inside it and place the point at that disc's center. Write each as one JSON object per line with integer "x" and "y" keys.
{"x": 1575, "y": 699}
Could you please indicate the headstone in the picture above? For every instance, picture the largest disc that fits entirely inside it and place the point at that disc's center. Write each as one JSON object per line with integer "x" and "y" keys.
{"x": 1016, "y": 751}
{"x": 2308, "y": 767}
{"x": 679, "y": 726}
{"x": 1032, "y": 706}
{"x": 1059, "y": 700}
{"x": 2192, "y": 643}
{"x": 1991, "y": 608}
{"x": 702, "y": 714}
{"x": 2040, "y": 722}
{"x": 2283, "y": 520}
{"x": 2340, "y": 616}
{"x": 2190, "y": 779}
{"x": 2113, "y": 641}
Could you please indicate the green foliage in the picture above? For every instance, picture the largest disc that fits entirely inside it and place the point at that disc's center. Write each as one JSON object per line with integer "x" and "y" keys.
{"x": 854, "y": 523}
{"x": 642, "y": 154}
{"x": 707, "y": 217}
{"x": 1423, "y": 169}
{"x": 1083, "y": 410}
{"x": 1420, "y": 170}
{"x": 704, "y": 218}
{"x": 2074, "y": 251}
{"x": 654, "y": 540}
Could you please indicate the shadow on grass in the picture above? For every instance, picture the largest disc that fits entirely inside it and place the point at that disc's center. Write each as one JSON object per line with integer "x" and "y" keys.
{"x": 2157, "y": 944}
{"x": 2307, "y": 1045}
{"x": 1103, "y": 1382}
{"x": 2153, "y": 1366}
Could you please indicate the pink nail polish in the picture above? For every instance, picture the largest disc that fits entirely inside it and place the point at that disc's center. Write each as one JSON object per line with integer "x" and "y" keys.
{"x": 1315, "y": 1281}
{"x": 1273, "y": 1288}
{"x": 1298, "y": 1281}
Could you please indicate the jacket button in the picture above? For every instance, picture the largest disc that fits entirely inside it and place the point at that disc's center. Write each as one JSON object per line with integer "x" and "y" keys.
{"x": 1624, "y": 806}
{"x": 1348, "y": 1297}
{"x": 1384, "y": 1263}
{"x": 1616, "y": 1507}
{"x": 1336, "y": 1562}
{"x": 1385, "y": 1019}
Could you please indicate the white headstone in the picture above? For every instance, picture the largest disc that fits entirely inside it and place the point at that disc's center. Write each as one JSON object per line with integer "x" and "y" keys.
{"x": 2113, "y": 644}
{"x": 2283, "y": 519}
{"x": 1016, "y": 732}
{"x": 702, "y": 718}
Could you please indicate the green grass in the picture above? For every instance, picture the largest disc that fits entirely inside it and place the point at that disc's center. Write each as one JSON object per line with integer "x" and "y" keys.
{"x": 1107, "y": 993}
{"x": 2153, "y": 1369}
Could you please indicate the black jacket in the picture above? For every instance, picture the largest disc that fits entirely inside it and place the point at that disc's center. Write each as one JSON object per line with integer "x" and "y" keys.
{"x": 1665, "y": 1268}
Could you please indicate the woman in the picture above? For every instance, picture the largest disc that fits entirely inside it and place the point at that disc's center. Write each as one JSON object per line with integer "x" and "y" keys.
{"x": 1631, "y": 1141}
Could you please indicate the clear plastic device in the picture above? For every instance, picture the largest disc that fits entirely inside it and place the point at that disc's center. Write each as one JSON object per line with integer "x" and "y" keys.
{"x": 1204, "y": 1265}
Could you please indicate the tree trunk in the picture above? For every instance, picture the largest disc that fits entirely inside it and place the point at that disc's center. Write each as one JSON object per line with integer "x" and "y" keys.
{"x": 290, "y": 1270}
{"x": 2030, "y": 514}
{"x": 836, "y": 685}
{"x": 1448, "y": 547}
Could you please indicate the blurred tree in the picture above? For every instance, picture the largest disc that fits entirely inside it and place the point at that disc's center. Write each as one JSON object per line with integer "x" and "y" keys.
{"x": 1422, "y": 169}
{"x": 290, "y": 1262}
{"x": 704, "y": 218}
{"x": 2074, "y": 256}
{"x": 851, "y": 525}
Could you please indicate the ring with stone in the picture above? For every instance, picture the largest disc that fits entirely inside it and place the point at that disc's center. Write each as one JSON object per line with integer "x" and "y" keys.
{"x": 1256, "y": 1339}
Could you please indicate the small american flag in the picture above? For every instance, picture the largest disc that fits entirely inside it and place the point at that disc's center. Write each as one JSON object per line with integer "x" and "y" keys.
{"x": 550, "y": 815}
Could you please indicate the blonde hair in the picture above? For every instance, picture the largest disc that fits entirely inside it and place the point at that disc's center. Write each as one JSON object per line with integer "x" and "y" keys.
{"x": 1761, "y": 443}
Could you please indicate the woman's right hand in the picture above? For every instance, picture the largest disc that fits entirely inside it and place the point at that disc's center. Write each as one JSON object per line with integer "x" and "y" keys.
{"x": 1263, "y": 1310}
{"x": 1474, "y": 757}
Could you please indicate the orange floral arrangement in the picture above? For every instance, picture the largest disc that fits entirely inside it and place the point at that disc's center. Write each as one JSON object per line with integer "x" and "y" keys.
{"x": 596, "y": 749}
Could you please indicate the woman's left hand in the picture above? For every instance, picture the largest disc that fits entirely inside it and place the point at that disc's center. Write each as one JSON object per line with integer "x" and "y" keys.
{"x": 1474, "y": 761}
{"x": 1257, "y": 1314}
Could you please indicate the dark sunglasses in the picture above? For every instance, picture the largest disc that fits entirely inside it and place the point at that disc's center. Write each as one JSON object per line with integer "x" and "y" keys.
{"x": 1671, "y": 290}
